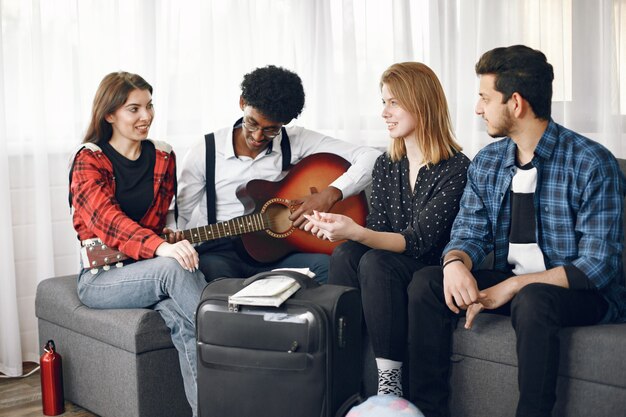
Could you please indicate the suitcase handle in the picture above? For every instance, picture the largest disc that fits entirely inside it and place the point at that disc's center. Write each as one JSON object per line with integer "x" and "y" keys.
{"x": 304, "y": 280}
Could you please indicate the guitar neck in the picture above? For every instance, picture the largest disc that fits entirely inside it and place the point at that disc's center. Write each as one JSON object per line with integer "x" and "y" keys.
{"x": 97, "y": 254}
{"x": 234, "y": 227}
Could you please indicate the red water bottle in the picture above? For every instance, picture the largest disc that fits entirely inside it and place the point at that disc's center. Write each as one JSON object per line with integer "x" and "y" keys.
{"x": 52, "y": 397}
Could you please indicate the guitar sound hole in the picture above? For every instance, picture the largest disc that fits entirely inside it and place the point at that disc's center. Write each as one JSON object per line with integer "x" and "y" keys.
{"x": 278, "y": 215}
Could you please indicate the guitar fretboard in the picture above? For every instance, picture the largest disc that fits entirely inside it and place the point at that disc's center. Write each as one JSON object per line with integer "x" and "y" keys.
{"x": 234, "y": 227}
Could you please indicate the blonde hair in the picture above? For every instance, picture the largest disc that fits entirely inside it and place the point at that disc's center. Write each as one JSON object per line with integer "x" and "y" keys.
{"x": 419, "y": 92}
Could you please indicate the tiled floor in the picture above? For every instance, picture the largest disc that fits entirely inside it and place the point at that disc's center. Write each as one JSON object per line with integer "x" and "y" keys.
{"x": 21, "y": 397}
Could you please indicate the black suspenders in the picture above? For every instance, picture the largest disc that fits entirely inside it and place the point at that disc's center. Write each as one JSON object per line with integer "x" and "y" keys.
{"x": 209, "y": 139}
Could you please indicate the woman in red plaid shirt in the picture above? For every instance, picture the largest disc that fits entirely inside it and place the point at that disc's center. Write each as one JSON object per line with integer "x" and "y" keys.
{"x": 121, "y": 186}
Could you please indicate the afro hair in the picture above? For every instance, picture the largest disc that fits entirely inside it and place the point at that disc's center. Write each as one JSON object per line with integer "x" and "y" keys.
{"x": 275, "y": 92}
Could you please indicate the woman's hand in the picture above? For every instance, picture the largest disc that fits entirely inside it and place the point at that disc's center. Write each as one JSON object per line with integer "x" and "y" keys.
{"x": 182, "y": 251}
{"x": 331, "y": 226}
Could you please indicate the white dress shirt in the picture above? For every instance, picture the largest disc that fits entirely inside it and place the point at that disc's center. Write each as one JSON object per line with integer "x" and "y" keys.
{"x": 231, "y": 171}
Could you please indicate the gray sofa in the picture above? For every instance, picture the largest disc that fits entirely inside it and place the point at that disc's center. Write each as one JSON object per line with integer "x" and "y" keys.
{"x": 592, "y": 376}
{"x": 121, "y": 363}
{"x": 116, "y": 363}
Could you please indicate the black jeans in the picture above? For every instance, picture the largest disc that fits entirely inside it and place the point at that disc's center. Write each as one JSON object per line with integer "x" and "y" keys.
{"x": 223, "y": 260}
{"x": 537, "y": 313}
{"x": 383, "y": 278}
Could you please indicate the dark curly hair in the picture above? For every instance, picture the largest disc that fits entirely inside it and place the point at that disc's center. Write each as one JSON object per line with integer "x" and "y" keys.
{"x": 275, "y": 92}
{"x": 524, "y": 70}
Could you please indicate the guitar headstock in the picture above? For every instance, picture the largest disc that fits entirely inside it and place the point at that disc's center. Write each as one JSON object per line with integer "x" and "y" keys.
{"x": 96, "y": 254}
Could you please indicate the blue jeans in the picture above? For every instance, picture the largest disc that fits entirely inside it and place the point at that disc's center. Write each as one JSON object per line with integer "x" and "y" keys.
{"x": 163, "y": 285}
{"x": 224, "y": 261}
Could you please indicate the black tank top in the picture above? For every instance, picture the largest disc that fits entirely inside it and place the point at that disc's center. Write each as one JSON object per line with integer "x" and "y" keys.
{"x": 134, "y": 180}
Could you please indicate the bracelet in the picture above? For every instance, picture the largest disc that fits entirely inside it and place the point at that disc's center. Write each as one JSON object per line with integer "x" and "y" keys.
{"x": 449, "y": 261}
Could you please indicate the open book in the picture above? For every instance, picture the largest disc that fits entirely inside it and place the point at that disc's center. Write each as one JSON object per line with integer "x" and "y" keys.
{"x": 270, "y": 291}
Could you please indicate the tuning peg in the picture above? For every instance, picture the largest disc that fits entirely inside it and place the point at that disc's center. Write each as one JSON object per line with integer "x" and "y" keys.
{"x": 119, "y": 265}
{"x": 106, "y": 267}
{"x": 94, "y": 271}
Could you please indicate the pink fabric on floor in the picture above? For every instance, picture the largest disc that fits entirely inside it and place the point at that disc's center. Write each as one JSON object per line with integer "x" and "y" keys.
{"x": 385, "y": 406}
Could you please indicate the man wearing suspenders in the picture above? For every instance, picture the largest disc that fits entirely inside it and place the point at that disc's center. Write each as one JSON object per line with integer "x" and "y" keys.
{"x": 259, "y": 146}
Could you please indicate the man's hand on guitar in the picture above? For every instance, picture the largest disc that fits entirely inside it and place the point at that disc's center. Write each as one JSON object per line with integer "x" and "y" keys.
{"x": 331, "y": 226}
{"x": 321, "y": 202}
{"x": 172, "y": 236}
{"x": 182, "y": 251}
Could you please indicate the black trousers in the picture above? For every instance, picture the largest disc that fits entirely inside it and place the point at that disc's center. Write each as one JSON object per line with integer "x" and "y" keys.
{"x": 383, "y": 278}
{"x": 221, "y": 259}
{"x": 537, "y": 313}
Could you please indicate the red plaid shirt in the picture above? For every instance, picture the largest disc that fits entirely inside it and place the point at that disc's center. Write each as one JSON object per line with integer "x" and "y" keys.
{"x": 98, "y": 214}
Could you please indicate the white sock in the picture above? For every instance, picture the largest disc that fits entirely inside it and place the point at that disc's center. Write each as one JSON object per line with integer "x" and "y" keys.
{"x": 389, "y": 377}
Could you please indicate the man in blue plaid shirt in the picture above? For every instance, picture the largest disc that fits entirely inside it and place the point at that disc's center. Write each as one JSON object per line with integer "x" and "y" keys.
{"x": 548, "y": 203}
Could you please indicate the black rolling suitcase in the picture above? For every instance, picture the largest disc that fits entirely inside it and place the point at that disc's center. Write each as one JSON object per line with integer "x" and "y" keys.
{"x": 298, "y": 360}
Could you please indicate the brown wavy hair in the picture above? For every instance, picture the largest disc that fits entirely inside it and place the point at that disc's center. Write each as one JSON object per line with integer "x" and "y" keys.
{"x": 112, "y": 93}
{"x": 420, "y": 93}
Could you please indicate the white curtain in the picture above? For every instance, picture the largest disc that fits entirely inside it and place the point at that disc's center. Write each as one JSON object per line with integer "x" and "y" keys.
{"x": 10, "y": 346}
{"x": 53, "y": 54}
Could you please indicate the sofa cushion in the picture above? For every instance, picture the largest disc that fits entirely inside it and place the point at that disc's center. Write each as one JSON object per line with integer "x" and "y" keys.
{"x": 134, "y": 330}
{"x": 591, "y": 353}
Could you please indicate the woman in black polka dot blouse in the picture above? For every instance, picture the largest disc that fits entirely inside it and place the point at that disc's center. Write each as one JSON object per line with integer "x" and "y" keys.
{"x": 416, "y": 188}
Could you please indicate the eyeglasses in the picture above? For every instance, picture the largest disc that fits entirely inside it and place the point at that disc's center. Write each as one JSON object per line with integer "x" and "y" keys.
{"x": 268, "y": 132}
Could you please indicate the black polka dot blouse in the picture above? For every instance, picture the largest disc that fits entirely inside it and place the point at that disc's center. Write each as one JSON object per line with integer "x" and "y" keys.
{"x": 423, "y": 216}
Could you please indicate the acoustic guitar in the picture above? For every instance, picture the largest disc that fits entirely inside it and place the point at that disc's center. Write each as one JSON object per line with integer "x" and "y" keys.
{"x": 265, "y": 231}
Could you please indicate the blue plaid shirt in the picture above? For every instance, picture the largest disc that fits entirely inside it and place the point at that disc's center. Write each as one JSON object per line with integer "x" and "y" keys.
{"x": 578, "y": 205}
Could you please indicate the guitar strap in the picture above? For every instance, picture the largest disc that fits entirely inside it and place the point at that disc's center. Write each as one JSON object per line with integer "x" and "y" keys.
{"x": 209, "y": 138}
